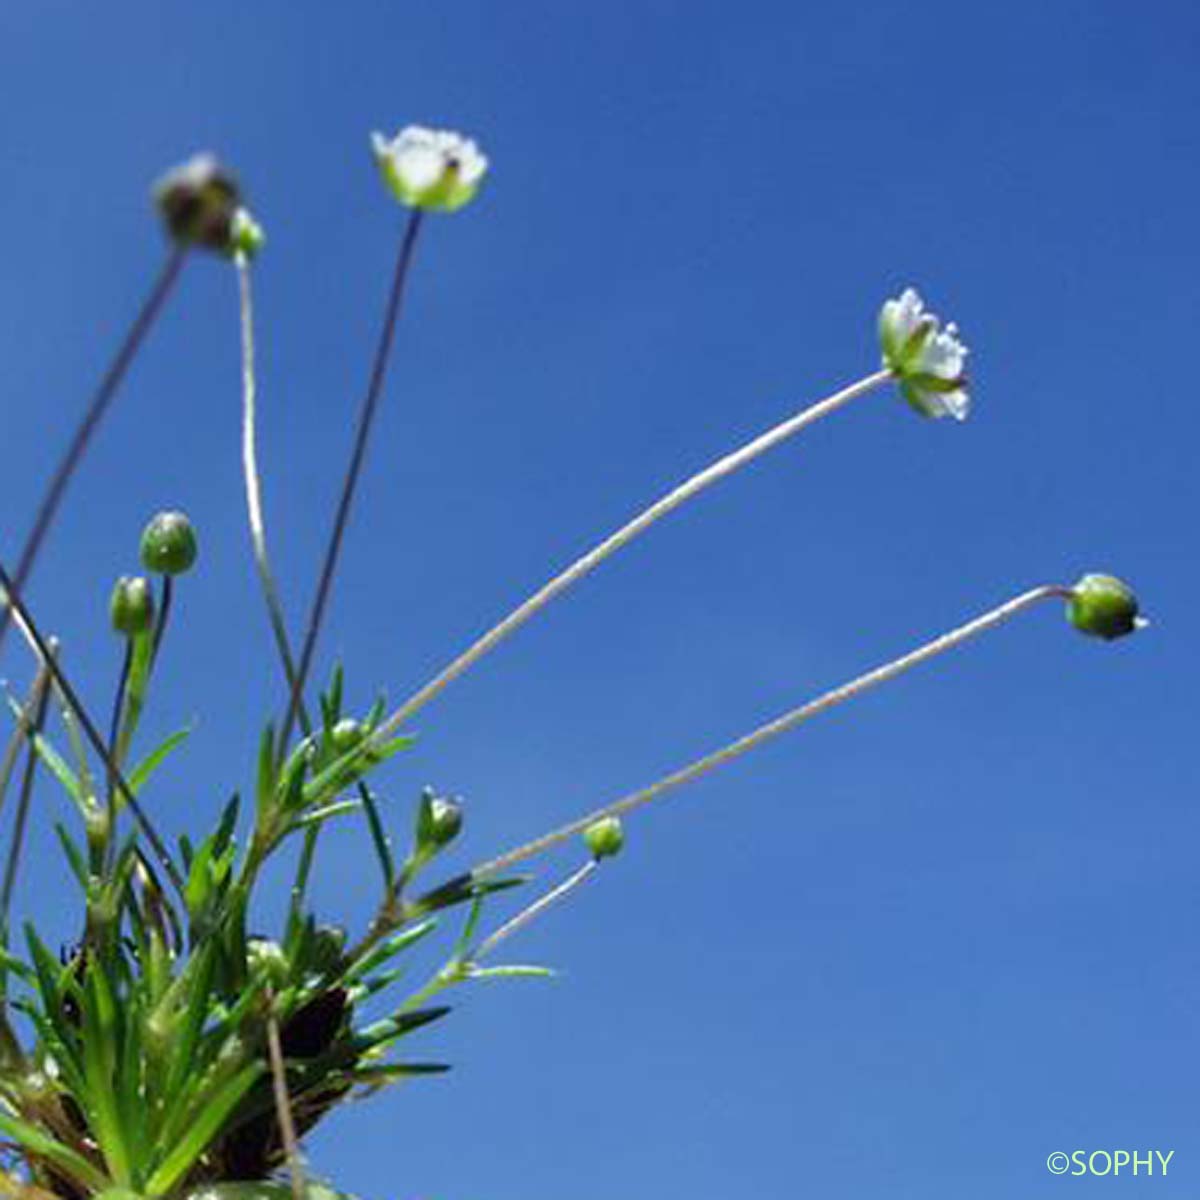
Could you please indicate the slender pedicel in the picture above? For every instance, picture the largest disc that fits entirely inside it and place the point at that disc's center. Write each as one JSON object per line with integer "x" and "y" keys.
{"x": 254, "y": 508}
{"x": 166, "y": 596}
{"x": 33, "y": 717}
{"x": 623, "y": 536}
{"x": 168, "y": 548}
{"x": 787, "y": 721}
{"x": 283, "y": 1105}
{"x": 366, "y": 417}
{"x": 102, "y": 398}
{"x": 131, "y": 613}
{"x": 47, "y": 656}
{"x": 18, "y": 738}
{"x": 535, "y": 910}
{"x": 258, "y": 533}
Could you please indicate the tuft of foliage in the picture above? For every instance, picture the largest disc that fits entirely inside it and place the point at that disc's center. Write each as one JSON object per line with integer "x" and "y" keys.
{"x": 145, "y": 1068}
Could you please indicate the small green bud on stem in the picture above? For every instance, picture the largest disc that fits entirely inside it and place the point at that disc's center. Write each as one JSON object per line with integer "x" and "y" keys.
{"x": 132, "y": 605}
{"x": 439, "y": 821}
{"x": 1103, "y": 606}
{"x": 605, "y": 838}
{"x": 266, "y": 959}
{"x": 169, "y": 544}
{"x": 346, "y": 735}
{"x": 246, "y": 235}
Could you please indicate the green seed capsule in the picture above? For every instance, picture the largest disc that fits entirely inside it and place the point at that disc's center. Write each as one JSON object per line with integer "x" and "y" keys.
{"x": 1103, "y": 606}
{"x": 605, "y": 838}
{"x": 169, "y": 544}
{"x": 132, "y": 605}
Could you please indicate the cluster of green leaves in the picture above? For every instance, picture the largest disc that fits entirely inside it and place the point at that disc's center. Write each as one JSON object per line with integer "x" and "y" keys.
{"x": 148, "y": 1069}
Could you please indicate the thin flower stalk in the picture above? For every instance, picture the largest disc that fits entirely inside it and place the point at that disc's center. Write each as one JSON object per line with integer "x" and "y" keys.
{"x": 536, "y": 909}
{"x": 353, "y": 470}
{"x": 254, "y": 506}
{"x": 626, "y": 534}
{"x": 33, "y": 717}
{"x": 258, "y": 541}
{"x": 19, "y": 737}
{"x": 96, "y": 409}
{"x": 464, "y": 964}
{"x": 114, "y": 721}
{"x": 283, "y": 1106}
{"x": 788, "y": 721}
{"x": 63, "y": 685}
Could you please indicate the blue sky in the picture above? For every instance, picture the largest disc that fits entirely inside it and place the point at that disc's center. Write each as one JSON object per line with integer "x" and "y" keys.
{"x": 916, "y": 947}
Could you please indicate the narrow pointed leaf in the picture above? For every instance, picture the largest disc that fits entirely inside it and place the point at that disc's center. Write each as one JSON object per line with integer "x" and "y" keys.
{"x": 142, "y": 772}
{"x": 32, "y": 1139}
{"x": 200, "y": 1131}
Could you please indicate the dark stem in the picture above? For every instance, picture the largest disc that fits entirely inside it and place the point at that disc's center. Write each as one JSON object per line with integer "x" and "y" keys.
{"x": 114, "y": 725}
{"x": 366, "y": 417}
{"x": 69, "y": 695}
{"x": 164, "y": 614}
{"x": 103, "y": 396}
{"x": 23, "y": 801}
{"x": 114, "y": 730}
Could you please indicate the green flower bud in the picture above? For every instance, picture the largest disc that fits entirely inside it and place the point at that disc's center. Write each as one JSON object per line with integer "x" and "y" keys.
{"x": 246, "y": 235}
{"x": 345, "y": 735}
{"x": 605, "y": 838}
{"x": 266, "y": 958}
{"x": 1103, "y": 606}
{"x": 439, "y": 820}
{"x": 169, "y": 544}
{"x": 328, "y": 945}
{"x": 198, "y": 202}
{"x": 132, "y": 605}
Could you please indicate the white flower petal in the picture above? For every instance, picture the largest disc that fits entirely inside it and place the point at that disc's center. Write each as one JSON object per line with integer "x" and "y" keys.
{"x": 956, "y": 404}
{"x": 431, "y": 168}
{"x": 943, "y": 356}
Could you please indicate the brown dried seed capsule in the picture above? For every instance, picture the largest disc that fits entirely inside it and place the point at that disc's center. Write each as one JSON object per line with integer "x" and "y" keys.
{"x": 198, "y": 202}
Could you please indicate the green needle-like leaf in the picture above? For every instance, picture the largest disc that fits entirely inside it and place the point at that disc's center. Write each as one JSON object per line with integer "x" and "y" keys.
{"x": 69, "y": 1161}
{"x": 200, "y": 1130}
{"x": 59, "y": 769}
{"x": 142, "y": 772}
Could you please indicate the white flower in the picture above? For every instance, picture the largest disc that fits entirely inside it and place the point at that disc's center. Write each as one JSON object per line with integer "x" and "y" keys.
{"x": 432, "y": 169}
{"x": 926, "y": 359}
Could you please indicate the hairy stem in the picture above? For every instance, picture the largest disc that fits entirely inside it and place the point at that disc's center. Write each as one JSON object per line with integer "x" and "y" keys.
{"x": 250, "y": 472}
{"x": 262, "y": 563}
{"x": 789, "y": 720}
{"x": 535, "y": 910}
{"x": 622, "y": 537}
